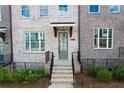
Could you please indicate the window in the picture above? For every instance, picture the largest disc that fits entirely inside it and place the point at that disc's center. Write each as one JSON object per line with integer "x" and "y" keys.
{"x": 103, "y": 38}
{"x": 25, "y": 11}
{"x": 1, "y": 45}
{"x": 0, "y": 13}
{"x": 34, "y": 41}
{"x": 44, "y": 10}
{"x": 114, "y": 8}
{"x": 94, "y": 8}
{"x": 63, "y": 10}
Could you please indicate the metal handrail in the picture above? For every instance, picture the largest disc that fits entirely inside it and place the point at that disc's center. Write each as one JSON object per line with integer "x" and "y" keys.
{"x": 73, "y": 68}
{"x": 51, "y": 67}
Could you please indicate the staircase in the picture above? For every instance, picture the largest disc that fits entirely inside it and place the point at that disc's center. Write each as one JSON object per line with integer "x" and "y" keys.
{"x": 62, "y": 76}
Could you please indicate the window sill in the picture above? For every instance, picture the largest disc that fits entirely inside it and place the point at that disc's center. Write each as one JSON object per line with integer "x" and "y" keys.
{"x": 43, "y": 17}
{"x": 114, "y": 12}
{"x": 34, "y": 52}
{"x": 103, "y": 48}
{"x": 25, "y": 17}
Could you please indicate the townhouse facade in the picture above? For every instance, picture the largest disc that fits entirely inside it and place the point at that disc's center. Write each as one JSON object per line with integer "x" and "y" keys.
{"x": 101, "y": 31}
{"x": 5, "y": 35}
{"x": 41, "y": 28}
{"x": 96, "y": 31}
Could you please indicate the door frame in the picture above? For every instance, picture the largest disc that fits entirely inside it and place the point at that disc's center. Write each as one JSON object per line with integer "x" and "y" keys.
{"x": 59, "y": 45}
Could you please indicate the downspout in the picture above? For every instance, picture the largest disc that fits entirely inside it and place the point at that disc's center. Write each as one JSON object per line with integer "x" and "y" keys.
{"x": 10, "y": 11}
{"x": 79, "y": 33}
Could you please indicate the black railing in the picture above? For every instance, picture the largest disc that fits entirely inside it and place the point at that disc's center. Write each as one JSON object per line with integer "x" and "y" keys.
{"x": 24, "y": 65}
{"x": 51, "y": 67}
{"x": 109, "y": 63}
{"x": 73, "y": 68}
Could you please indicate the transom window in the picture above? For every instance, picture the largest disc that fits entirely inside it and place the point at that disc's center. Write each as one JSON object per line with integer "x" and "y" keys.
{"x": 114, "y": 8}
{"x": 43, "y": 10}
{"x": 103, "y": 37}
{"x": 94, "y": 9}
{"x": 0, "y": 13}
{"x": 34, "y": 41}
{"x": 63, "y": 10}
{"x": 25, "y": 11}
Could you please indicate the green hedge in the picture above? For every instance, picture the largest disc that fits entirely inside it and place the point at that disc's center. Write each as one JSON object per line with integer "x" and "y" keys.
{"x": 21, "y": 74}
{"x": 103, "y": 74}
{"x": 118, "y": 71}
{"x": 91, "y": 69}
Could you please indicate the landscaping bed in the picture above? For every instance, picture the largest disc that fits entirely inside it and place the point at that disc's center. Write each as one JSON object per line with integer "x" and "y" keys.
{"x": 24, "y": 78}
{"x": 92, "y": 82}
{"x": 100, "y": 77}
{"x": 43, "y": 82}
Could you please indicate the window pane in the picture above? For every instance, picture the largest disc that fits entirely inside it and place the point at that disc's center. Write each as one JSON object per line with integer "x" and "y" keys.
{"x": 95, "y": 33}
{"x": 34, "y": 42}
{"x": 0, "y": 13}
{"x": 114, "y": 8}
{"x": 103, "y": 43}
{"x": 42, "y": 41}
{"x": 110, "y": 33}
{"x": 1, "y": 46}
{"x": 25, "y": 10}
{"x": 44, "y": 10}
{"x": 27, "y": 41}
{"x": 110, "y": 43}
{"x": 103, "y": 33}
{"x": 63, "y": 10}
{"x": 95, "y": 43}
{"x": 94, "y": 8}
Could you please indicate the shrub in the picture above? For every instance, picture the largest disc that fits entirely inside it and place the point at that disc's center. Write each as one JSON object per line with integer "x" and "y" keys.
{"x": 104, "y": 74}
{"x": 91, "y": 69}
{"x": 119, "y": 72}
{"x": 21, "y": 74}
{"x": 5, "y": 74}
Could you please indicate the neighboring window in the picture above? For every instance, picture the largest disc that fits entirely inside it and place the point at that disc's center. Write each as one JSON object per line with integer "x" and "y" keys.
{"x": 1, "y": 45}
{"x": 44, "y": 10}
{"x": 94, "y": 8}
{"x": 34, "y": 41}
{"x": 114, "y": 8}
{"x": 63, "y": 10}
{"x": 103, "y": 38}
{"x": 0, "y": 13}
{"x": 25, "y": 11}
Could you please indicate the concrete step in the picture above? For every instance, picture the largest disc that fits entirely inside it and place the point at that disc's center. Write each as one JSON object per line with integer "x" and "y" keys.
{"x": 54, "y": 85}
{"x": 62, "y": 68}
{"x": 62, "y": 80}
{"x": 62, "y": 75}
{"x": 61, "y": 71}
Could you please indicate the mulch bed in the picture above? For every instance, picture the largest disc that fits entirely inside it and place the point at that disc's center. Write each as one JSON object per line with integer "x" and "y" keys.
{"x": 41, "y": 83}
{"x": 86, "y": 81}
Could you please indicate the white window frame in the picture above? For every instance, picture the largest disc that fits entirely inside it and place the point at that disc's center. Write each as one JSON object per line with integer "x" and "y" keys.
{"x": 114, "y": 12}
{"x": 66, "y": 12}
{"x": 25, "y": 16}
{"x": 30, "y": 51}
{"x": 0, "y": 13}
{"x": 93, "y": 12}
{"x": 98, "y": 47}
{"x": 42, "y": 15}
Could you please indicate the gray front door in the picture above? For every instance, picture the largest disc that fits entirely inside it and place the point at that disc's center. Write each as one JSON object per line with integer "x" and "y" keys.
{"x": 63, "y": 45}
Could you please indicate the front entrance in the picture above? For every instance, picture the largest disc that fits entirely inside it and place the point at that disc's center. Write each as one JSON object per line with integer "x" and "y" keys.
{"x": 63, "y": 45}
